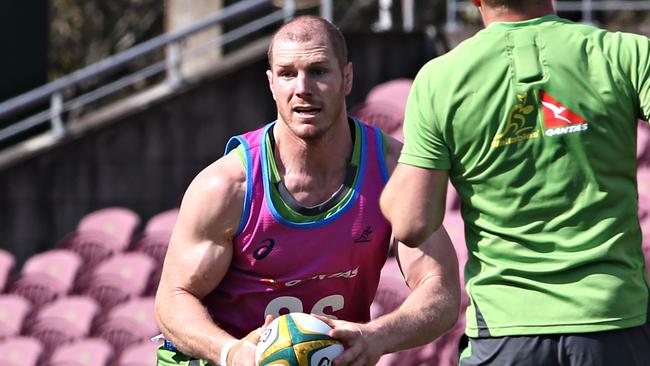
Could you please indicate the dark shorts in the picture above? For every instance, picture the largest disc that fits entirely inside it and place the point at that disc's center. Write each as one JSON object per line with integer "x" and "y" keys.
{"x": 624, "y": 347}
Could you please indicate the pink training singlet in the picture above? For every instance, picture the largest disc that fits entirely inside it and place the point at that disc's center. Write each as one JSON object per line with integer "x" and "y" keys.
{"x": 330, "y": 266}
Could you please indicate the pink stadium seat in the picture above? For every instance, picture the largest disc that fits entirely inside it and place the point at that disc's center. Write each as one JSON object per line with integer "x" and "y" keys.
{"x": 84, "y": 352}
{"x": 7, "y": 262}
{"x": 444, "y": 350}
{"x": 453, "y": 199}
{"x": 643, "y": 186}
{"x": 162, "y": 222}
{"x": 63, "y": 321}
{"x": 155, "y": 246}
{"x": 154, "y": 242}
{"x": 46, "y": 276}
{"x": 139, "y": 354}
{"x": 14, "y": 312}
{"x": 645, "y": 229}
{"x": 128, "y": 323}
{"x": 393, "y": 92}
{"x": 455, "y": 227}
{"x": 21, "y": 351}
{"x": 385, "y": 116}
{"x": 61, "y": 264}
{"x": 120, "y": 278}
{"x": 643, "y": 143}
{"x": 118, "y": 222}
{"x": 93, "y": 247}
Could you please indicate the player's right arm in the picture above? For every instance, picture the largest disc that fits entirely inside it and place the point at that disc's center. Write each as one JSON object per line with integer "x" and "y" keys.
{"x": 199, "y": 254}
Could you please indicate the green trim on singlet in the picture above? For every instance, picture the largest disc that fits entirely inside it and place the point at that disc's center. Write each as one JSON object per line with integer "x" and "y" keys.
{"x": 166, "y": 357}
{"x": 283, "y": 208}
{"x": 289, "y": 213}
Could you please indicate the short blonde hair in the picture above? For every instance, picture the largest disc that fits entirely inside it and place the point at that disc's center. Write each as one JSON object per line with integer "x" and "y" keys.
{"x": 307, "y": 27}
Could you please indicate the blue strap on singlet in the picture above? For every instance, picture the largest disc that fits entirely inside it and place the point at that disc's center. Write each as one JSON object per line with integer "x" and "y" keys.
{"x": 170, "y": 346}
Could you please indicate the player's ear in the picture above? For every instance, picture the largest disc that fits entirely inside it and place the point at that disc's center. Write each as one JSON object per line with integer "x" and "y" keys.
{"x": 269, "y": 77}
{"x": 347, "y": 78}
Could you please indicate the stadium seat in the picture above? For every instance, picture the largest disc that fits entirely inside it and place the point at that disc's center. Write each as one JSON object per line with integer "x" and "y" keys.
{"x": 385, "y": 116}
{"x": 643, "y": 186}
{"x": 7, "y": 262}
{"x": 63, "y": 321}
{"x": 140, "y": 354}
{"x": 643, "y": 143}
{"x": 84, "y": 352}
{"x": 391, "y": 292}
{"x": 14, "y": 312}
{"x": 162, "y": 222}
{"x": 21, "y": 351}
{"x": 128, "y": 323}
{"x": 393, "y": 92}
{"x": 118, "y": 222}
{"x": 47, "y": 275}
{"x": 154, "y": 242}
{"x": 452, "y": 200}
{"x": 119, "y": 278}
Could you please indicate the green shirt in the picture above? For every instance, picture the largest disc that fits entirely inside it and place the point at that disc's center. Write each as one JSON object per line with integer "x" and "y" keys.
{"x": 536, "y": 122}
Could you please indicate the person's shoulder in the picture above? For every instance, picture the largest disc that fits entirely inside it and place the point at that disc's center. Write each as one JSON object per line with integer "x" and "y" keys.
{"x": 226, "y": 177}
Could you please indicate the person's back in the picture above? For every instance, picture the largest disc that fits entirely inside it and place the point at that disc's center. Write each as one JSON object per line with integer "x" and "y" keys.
{"x": 534, "y": 121}
{"x": 540, "y": 122}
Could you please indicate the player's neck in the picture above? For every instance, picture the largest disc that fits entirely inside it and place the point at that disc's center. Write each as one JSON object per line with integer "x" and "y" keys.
{"x": 492, "y": 15}
{"x": 312, "y": 170}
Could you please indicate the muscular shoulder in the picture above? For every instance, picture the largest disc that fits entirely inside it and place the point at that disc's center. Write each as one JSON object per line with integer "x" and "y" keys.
{"x": 213, "y": 201}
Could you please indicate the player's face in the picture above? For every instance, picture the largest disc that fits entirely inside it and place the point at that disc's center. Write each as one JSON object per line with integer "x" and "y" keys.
{"x": 308, "y": 86}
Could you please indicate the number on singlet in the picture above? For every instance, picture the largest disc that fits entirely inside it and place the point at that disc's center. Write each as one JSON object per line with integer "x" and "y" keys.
{"x": 293, "y": 305}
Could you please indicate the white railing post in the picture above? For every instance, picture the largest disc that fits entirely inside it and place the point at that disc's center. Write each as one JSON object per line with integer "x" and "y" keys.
{"x": 408, "y": 15}
{"x": 587, "y": 11}
{"x": 327, "y": 10}
{"x": 174, "y": 60}
{"x": 452, "y": 25}
{"x": 56, "y": 108}
{"x": 289, "y": 9}
{"x": 385, "y": 21}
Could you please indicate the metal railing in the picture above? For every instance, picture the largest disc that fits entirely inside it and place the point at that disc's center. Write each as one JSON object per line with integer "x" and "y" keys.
{"x": 54, "y": 90}
{"x": 171, "y": 64}
{"x": 585, "y": 7}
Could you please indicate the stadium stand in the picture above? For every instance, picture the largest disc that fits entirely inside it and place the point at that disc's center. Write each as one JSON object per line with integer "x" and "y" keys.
{"x": 119, "y": 278}
{"x": 118, "y": 222}
{"x": 7, "y": 262}
{"x": 21, "y": 351}
{"x": 107, "y": 318}
{"x": 14, "y": 311}
{"x": 83, "y": 352}
{"x": 47, "y": 275}
{"x": 154, "y": 241}
{"x": 139, "y": 354}
{"x": 129, "y": 323}
{"x": 162, "y": 222}
{"x": 63, "y": 321}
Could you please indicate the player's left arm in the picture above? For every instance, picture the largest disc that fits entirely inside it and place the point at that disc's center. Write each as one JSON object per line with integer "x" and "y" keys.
{"x": 431, "y": 271}
{"x": 432, "y": 308}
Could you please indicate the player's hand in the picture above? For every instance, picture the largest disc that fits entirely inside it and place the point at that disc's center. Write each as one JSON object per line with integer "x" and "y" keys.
{"x": 363, "y": 346}
{"x": 242, "y": 353}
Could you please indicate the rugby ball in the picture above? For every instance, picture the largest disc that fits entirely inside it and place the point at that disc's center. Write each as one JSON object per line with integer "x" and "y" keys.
{"x": 297, "y": 339}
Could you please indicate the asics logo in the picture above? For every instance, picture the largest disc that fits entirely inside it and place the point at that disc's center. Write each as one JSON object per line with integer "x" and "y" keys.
{"x": 264, "y": 249}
